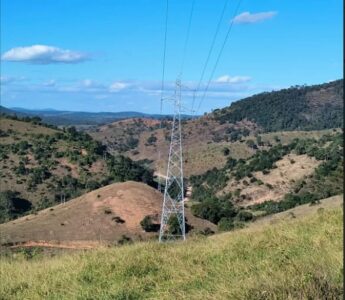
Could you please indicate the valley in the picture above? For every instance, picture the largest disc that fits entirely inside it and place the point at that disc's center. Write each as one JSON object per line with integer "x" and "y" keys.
{"x": 161, "y": 150}
{"x": 249, "y": 185}
{"x": 234, "y": 172}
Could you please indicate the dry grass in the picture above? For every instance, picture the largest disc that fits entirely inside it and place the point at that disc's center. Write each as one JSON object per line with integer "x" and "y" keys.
{"x": 26, "y": 131}
{"x": 278, "y": 182}
{"x": 201, "y": 152}
{"x": 296, "y": 259}
{"x": 21, "y": 128}
{"x": 91, "y": 217}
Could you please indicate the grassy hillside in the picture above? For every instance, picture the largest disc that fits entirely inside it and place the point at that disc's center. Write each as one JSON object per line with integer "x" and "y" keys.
{"x": 41, "y": 164}
{"x": 272, "y": 180}
{"x": 204, "y": 142}
{"x": 295, "y": 259}
{"x": 296, "y": 108}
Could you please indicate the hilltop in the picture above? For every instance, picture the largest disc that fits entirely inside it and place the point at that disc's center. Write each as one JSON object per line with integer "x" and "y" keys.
{"x": 296, "y": 108}
{"x": 107, "y": 215}
{"x": 300, "y": 258}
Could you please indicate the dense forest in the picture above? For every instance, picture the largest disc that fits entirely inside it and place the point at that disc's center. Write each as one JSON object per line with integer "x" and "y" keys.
{"x": 296, "y": 108}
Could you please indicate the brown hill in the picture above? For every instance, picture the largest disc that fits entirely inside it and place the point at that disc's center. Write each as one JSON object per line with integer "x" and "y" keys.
{"x": 103, "y": 215}
{"x": 204, "y": 141}
{"x": 318, "y": 107}
{"x": 41, "y": 166}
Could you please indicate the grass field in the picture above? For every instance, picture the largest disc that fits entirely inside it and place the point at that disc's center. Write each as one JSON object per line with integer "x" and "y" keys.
{"x": 292, "y": 259}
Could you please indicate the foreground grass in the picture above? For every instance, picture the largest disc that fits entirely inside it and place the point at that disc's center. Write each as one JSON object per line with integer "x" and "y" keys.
{"x": 297, "y": 259}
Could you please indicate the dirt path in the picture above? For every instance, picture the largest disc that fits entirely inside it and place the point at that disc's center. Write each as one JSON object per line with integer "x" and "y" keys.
{"x": 61, "y": 245}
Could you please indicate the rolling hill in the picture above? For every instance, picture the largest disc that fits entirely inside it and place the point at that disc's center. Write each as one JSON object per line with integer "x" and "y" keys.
{"x": 283, "y": 115}
{"x": 42, "y": 165}
{"x": 103, "y": 216}
{"x": 272, "y": 180}
{"x": 297, "y": 108}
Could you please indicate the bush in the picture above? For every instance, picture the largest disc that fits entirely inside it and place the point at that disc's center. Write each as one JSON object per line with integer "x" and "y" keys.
{"x": 245, "y": 216}
{"x": 118, "y": 220}
{"x": 226, "y": 151}
{"x": 226, "y": 224}
{"x": 12, "y": 205}
{"x": 206, "y": 231}
{"x": 151, "y": 140}
{"x": 174, "y": 225}
{"x": 148, "y": 225}
{"x": 214, "y": 210}
{"x": 124, "y": 240}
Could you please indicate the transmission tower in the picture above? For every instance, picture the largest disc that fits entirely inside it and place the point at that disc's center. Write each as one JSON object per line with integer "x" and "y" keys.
{"x": 172, "y": 220}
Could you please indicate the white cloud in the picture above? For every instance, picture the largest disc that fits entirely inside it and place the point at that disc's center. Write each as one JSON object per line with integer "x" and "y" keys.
{"x": 6, "y": 79}
{"x": 49, "y": 83}
{"x": 118, "y": 86}
{"x": 42, "y": 54}
{"x": 89, "y": 83}
{"x": 248, "y": 17}
{"x": 232, "y": 79}
{"x": 10, "y": 79}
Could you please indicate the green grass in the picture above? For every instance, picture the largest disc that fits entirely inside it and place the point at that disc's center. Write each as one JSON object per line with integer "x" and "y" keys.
{"x": 296, "y": 259}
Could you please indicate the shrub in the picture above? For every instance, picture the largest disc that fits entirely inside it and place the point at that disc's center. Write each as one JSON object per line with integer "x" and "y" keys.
{"x": 151, "y": 140}
{"x": 108, "y": 211}
{"x": 206, "y": 231}
{"x": 174, "y": 225}
{"x": 118, "y": 220}
{"x": 244, "y": 216}
{"x": 226, "y": 151}
{"x": 125, "y": 240}
{"x": 214, "y": 209}
{"x": 12, "y": 205}
{"x": 225, "y": 224}
{"x": 270, "y": 186}
{"x": 148, "y": 225}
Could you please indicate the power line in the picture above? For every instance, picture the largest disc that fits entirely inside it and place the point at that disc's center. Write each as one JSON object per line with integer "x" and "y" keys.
{"x": 187, "y": 37}
{"x": 164, "y": 47}
{"x": 163, "y": 76}
{"x": 219, "y": 54}
{"x": 210, "y": 50}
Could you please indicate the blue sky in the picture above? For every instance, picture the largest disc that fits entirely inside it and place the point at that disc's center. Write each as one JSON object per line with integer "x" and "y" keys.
{"x": 106, "y": 55}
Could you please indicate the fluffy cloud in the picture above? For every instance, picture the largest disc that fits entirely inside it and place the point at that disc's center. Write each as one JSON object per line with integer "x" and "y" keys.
{"x": 232, "y": 79}
{"x": 248, "y": 17}
{"x": 42, "y": 54}
{"x": 91, "y": 84}
{"x": 118, "y": 86}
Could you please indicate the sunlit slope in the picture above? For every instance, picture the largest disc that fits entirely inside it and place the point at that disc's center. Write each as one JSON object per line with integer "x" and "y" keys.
{"x": 295, "y": 259}
{"x": 103, "y": 215}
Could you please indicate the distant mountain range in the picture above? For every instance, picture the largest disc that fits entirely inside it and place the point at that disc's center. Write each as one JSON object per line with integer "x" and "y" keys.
{"x": 296, "y": 108}
{"x": 59, "y": 118}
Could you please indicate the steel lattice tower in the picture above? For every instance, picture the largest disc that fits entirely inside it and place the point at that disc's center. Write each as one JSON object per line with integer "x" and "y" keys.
{"x": 173, "y": 220}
